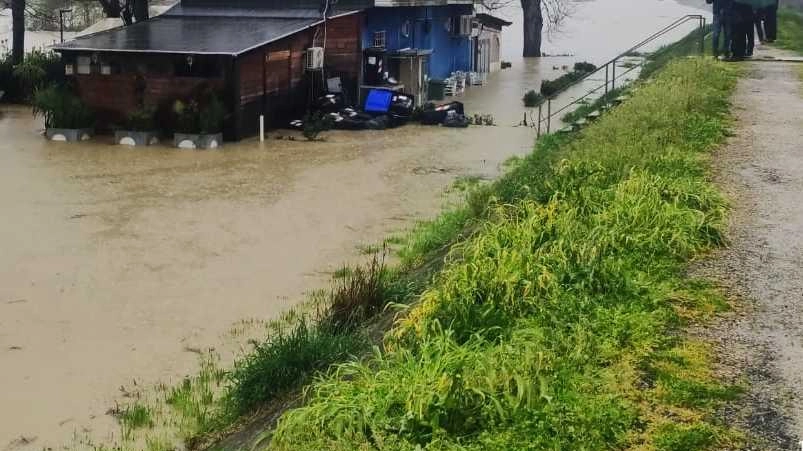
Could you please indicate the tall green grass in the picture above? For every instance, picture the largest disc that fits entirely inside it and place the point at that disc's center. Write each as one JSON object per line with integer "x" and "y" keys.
{"x": 556, "y": 324}
{"x": 790, "y": 29}
{"x": 688, "y": 45}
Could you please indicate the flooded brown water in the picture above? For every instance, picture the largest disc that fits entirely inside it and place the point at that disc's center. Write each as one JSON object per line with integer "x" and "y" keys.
{"x": 115, "y": 262}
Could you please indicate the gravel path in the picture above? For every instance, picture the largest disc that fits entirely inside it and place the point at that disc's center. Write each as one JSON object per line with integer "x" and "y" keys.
{"x": 761, "y": 170}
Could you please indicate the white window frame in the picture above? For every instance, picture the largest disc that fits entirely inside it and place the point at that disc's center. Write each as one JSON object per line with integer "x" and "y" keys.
{"x": 380, "y": 39}
{"x": 83, "y": 65}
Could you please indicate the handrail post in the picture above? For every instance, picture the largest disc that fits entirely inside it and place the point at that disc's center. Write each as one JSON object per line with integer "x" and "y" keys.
{"x": 549, "y": 116}
{"x": 613, "y": 77}
{"x": 702, "y": 37}
{"x": 540, "y": 107}
{"x": 606, "y": 79}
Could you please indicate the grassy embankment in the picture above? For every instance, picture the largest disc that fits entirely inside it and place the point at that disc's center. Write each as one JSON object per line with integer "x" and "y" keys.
{"x": 558, "y": 323}
{"x": 327, "y": 330}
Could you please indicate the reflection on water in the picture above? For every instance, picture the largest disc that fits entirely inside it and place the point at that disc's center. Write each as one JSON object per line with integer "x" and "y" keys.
{"x": 598, "y": 30}
{"x": 115, "y": 260}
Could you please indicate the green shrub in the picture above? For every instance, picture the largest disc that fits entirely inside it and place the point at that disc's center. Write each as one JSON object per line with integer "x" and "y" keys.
{"x": 200, "y": 114}
{"x": 308, "y": 343}
{"x": 286, "y": 361}
{"x": 551, "y": 88}
{"x": 60, "y": 108}
{"x": 532, "y": 99}
{"x": 790, "y": 29}
{"x": 37, "y": 70}
{"x": 211, "y": 115}
{"x": 141, "y": 120}
{"x": 584, "y": 67}
{"x": 314, "y": 125}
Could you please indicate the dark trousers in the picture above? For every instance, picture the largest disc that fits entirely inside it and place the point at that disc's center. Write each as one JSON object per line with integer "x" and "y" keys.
{"x": 743, "y": 28}
{"x": 722, "y": 29}
{"x": 771, "y": 22}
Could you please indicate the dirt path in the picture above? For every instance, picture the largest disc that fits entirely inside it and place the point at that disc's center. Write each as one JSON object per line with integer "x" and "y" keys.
{"x": 761, "y": 169}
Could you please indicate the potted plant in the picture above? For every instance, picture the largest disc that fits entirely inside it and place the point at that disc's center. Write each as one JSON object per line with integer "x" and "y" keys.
{"x": 199, "y": 123}
{"x": 66, "y": 117}
{"x": 139, "y": 129}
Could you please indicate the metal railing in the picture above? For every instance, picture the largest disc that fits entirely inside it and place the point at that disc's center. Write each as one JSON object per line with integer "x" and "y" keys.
{"x": 610, "y": 69}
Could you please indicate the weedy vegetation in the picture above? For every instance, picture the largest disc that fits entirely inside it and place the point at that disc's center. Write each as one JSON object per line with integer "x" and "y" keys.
{"x": 584, "y": 109}
{"x": 557, "y": 322}
{"x": 790, "y": 29}
{"x": 549, "y": 307}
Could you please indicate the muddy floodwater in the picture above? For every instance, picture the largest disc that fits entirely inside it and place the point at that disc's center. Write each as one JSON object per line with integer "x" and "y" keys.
{"x": 116, "y": 264}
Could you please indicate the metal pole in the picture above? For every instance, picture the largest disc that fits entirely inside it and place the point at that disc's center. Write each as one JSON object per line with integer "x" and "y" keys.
{"x": 606, "y": 79}
{"x": 540, "y": 107}
{"x": 702, "y": 39}
{"x": 549, "y": 116}
{"x": 62, "y": 12}
{"x": 613, "y": 78}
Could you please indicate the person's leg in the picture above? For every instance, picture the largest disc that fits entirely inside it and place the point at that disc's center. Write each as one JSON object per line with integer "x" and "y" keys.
{"x": 759, "y": 22}
{"x": 772, "y": 23}
{"x": 751, "y": 35}
{"x": 739, "y": 36}
{"x": 728, "y": 25}
{"x": 717, "y": 27}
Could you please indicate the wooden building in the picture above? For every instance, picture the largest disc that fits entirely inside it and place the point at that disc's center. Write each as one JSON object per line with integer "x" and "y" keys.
{"x": 255, "y": 55}
{"x": 271, "y": 57}
{"x": 487, "y": 43}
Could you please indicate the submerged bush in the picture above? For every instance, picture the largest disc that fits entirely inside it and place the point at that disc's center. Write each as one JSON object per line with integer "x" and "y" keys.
{"x": 532, "y": 99}
{"x": 314, "y": 125}
{"x": 141, "y": 120}
{"x": 60, "y": 108}
{"x": 199, "y": 114}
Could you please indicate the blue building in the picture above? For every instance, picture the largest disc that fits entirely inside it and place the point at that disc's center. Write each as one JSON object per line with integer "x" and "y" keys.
{"x": 443, "y": 32}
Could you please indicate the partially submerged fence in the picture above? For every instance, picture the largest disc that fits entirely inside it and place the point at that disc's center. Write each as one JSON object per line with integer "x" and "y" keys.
{"x": 610, "y": 66}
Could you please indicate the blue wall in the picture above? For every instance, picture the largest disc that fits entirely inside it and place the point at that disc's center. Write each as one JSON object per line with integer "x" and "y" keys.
{"x": 449, "y": 52}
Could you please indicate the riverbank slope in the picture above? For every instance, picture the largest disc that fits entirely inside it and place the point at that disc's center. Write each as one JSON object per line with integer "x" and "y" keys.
{"x": 559, "y": 322}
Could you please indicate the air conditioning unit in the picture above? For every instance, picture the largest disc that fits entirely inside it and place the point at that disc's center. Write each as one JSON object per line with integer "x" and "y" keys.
{"x": 465, "y": 28}
{"x": 314, "y": 58}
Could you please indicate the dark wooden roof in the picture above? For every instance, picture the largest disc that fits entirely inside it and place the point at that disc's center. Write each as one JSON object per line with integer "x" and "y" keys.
{"x": 243, "y": 10}
{"x": 196, "y": 35}
{"x": 212, "y": 33}
{"x": 277, "y": 4}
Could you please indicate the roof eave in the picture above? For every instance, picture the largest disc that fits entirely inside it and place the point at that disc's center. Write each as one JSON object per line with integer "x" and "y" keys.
{"x": 62, "y": 48}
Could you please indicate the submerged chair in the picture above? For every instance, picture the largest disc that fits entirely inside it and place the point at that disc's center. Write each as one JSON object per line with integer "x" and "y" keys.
{"x": 450, "y": 87}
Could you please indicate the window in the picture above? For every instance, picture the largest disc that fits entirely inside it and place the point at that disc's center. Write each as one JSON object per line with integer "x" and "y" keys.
{"x": 380, "y": 39}
{"x": 84, "y": 64}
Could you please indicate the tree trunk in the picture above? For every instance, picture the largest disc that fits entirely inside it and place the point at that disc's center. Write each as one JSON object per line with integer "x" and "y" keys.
{"x": 140, "y": 10}
{"x": 533, "y": 27}
{"x": 111, "y": 8}
{"x": 18, "y": 31}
